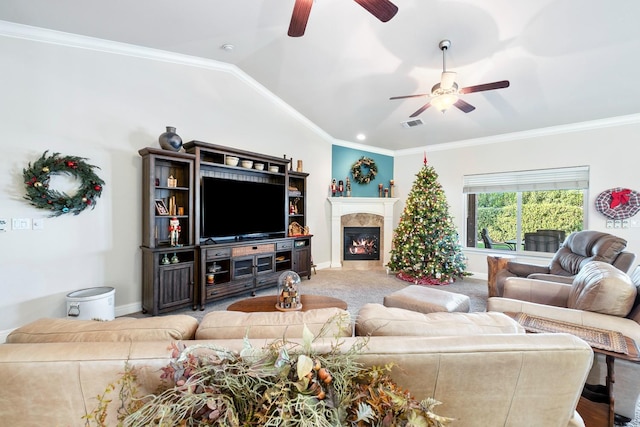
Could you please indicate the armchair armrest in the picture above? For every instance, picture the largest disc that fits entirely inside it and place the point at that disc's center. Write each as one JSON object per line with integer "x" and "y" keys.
{"x": 537, "y": 291}
{"x": 523, "y": 270}
{"x": 552, "y": 278}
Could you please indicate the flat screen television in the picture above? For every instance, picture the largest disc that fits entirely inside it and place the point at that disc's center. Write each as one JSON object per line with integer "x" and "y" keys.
{"x": 241, "y": 210}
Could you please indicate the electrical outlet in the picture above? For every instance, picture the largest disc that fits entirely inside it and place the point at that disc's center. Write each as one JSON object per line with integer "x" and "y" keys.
{"x": 3, "y": 224}
{"x": 617, "y": 223}
{"x": 609, "y": 223}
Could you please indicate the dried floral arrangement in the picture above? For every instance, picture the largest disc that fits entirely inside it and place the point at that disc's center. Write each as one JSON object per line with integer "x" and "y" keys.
{"x": 281, "y": 384}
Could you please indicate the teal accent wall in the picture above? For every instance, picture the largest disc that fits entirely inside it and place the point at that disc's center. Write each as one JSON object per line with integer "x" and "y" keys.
{"x": 343, "y": 158}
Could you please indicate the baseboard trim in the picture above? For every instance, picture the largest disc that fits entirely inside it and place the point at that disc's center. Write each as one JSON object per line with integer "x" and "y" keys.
{"x": 123, "y": 310}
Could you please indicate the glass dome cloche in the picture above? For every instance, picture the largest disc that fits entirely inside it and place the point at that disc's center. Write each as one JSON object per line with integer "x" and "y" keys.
{"x": 289, "y": 292}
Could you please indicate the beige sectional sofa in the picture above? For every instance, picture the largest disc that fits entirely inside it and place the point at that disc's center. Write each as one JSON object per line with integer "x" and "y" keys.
{"x": 481, "y": 366}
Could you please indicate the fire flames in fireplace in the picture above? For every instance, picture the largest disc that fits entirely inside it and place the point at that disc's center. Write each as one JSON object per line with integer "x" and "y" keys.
{"x": 361, "y": 243}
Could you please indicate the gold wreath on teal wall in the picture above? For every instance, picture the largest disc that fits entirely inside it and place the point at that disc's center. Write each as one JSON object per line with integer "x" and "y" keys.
{"x": 364, "y": 177}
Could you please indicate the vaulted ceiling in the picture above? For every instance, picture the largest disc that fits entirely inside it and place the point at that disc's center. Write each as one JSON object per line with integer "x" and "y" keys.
{"x": 568, "y": 61}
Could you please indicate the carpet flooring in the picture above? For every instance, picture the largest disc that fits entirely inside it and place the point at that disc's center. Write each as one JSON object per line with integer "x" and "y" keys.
{"x": 357, "y": 287}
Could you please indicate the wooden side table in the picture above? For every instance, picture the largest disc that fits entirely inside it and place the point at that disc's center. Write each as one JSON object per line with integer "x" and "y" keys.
{"x": 495, "y": 264}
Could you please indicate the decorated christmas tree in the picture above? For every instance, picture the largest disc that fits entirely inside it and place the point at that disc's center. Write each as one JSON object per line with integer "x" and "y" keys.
{"x": 426, "y": 248}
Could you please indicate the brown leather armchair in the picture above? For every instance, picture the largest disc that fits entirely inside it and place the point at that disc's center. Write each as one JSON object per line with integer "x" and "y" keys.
{"x": 577, "y": 250}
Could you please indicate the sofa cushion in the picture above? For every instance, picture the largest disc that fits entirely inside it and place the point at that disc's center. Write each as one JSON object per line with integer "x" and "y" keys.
{"x": 236, "y": 324}
{"x": 378, "y": 320}
{"x": 159, "y": 328}
{"x": 602, "y": 288}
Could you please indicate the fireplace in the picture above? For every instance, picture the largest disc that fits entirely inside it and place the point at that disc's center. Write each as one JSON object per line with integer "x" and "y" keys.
{"x": 361, "y": 243}
{"x": 361, "y": 212}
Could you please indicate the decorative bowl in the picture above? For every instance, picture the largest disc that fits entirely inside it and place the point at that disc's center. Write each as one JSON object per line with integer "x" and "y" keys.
{"x": 232, "y": 161}
{"x": 247, "y": 164}
{"x": 274, "y": 169}
{"x": 258, "y": 166}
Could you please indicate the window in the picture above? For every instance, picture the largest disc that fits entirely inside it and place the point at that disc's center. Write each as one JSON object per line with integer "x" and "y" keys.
{"x": 525, "y": 210}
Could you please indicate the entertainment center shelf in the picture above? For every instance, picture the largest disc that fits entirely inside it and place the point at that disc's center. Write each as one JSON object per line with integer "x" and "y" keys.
{"x": 220, "y": 252}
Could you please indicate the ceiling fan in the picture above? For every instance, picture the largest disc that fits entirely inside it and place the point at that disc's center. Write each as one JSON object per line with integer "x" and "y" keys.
{"x": 445, "y": 94}
{"x": 384, "y": 10}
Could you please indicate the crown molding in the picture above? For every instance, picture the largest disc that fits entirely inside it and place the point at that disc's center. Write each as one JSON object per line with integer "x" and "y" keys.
{"x": 44, "y": 35}
{"x": 363, "y": 147}
{"x": 533, "y": 133}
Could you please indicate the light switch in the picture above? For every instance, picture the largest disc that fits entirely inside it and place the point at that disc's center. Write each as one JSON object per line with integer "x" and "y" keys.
{"x": 21, "y": 223}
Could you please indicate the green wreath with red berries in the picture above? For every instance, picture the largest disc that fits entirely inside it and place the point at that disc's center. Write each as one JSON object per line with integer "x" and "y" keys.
{"x": 37, "y": 177}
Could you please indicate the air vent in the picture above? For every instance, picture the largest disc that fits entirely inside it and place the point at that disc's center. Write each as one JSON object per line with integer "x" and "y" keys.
{"x": 412, "y": 123}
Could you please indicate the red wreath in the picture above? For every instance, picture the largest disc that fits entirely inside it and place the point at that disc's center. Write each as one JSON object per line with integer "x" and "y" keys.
{"x": 618, "y": 203}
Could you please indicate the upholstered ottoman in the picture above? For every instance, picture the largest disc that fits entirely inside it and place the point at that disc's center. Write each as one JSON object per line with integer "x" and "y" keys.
{"x": 427, "y": 300}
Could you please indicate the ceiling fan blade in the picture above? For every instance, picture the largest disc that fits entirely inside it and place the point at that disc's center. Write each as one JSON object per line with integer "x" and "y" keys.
{"x": 384, "y": 10}
{"x": 447, "y": 80}
{"x": 424, "y": 107}
{"x": 409, "y": 96}
{"x": 464, "y": 106}
{"x": 487, "y": 86}
{"x": 299, "y": 18}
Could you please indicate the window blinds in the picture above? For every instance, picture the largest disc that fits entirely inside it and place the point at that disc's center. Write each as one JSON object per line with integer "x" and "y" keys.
{"x": 572, "y": 178}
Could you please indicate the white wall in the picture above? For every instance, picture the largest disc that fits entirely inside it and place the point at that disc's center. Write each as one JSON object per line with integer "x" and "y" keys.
{"x": 105, "y": 103}
{"x": 608, "y": 147}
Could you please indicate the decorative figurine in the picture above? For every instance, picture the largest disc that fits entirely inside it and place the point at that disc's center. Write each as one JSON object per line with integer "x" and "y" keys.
{"x": 340, "y": 187}
{"x": 174, "y": 231}
{"x": 348, "y": 187}
{"x": 334, "y": 188}
{"x": 391, "y": 184}
{"x": 288, "y": 292}
{"x": 379, "y": 190}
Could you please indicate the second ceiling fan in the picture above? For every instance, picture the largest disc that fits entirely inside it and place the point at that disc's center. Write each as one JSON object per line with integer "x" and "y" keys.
{"x": 384, "y": 10}
{"x": 445, "y": 94}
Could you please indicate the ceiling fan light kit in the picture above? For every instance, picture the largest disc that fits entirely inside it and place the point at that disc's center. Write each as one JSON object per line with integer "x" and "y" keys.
{"x": 446, "y": 94}
{"x": 444, "y": 101}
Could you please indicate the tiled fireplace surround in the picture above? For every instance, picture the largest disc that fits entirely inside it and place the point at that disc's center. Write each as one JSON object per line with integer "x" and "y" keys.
{"x": 361, "y": 212}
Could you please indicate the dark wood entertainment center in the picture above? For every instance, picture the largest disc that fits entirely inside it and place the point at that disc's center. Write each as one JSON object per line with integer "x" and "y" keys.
{"x": 200, "y": 270}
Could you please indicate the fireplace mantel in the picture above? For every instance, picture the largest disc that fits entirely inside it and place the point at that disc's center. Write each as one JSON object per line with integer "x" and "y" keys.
{"x": 341, "y": 206}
